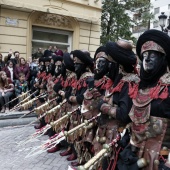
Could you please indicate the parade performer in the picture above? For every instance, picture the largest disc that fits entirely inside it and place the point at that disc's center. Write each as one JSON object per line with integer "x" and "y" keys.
{"x": 41, "y": 84}
{"x": 116, "y": 103}
{"x": 150, "y": 113}
{"x": 97, "y": 86}
{"x": 55, "y": 84}
{"x": 64, "y": 84}
{"x": 83, "y": 65}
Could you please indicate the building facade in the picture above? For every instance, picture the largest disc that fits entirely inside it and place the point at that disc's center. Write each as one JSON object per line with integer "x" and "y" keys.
{"x": 158, "y": 6}
{"x": 70, "y": 24}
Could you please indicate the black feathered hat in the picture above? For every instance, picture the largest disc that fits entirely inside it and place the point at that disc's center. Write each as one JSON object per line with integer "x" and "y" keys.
{"x": 46, "y": 59}
{"x": 100, "y": 49}
{"x": 122, "y": 53}
{"x": 102, "y": 52}
{"x": 41, "y": 59}
{"x": 160, "y": 38}
{"x": 57, "y": 58}
{"x": 83, "y": 57}
{"x": 68, "y": 61}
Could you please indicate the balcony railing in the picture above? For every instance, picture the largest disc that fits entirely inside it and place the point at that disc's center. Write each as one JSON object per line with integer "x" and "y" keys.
{"x": 139, "y": 28}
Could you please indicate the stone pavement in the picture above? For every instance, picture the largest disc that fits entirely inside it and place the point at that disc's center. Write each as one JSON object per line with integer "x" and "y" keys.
{"x": 12, "y": 156}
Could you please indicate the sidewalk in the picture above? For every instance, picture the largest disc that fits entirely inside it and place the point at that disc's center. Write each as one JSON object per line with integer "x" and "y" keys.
{"x": 13, "y": 118}
{"x": 13, "y": 155}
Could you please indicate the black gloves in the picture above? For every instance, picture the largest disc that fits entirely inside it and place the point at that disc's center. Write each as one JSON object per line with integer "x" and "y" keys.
{"x": 100, "y": 104}
{"x": 90, "y": 82}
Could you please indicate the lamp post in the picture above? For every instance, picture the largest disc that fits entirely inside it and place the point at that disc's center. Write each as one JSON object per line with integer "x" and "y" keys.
{"x": 162, "y": 22}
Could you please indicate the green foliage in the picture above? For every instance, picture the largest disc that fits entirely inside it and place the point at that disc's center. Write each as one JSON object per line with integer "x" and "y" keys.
{"x": 116, "y": 21}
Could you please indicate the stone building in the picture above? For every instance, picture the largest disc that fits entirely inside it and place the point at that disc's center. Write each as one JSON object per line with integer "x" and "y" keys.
{"x": 70, "y": 24}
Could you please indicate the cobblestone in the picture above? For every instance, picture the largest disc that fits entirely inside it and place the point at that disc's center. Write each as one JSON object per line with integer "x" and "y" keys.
{"x": 13, "y": 156}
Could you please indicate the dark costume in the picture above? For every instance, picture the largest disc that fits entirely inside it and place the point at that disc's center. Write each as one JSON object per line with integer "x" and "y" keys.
{"x": 75, "y": 96}
{"x": 150, "y": 112}
{"x": 116, "y": 104}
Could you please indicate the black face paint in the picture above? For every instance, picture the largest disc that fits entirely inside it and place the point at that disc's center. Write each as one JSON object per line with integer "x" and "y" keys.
{"x": 79, "y": 69}
{"x": 101, "y": 67}
{"x": 49, "y": 68}
{"x": 42, "y": 68}
{"x": 151, "y": 60}
{"x": 58, "y": 70}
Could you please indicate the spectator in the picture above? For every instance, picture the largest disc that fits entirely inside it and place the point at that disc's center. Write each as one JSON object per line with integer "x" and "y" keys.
{"x": 15, "y": 59}
{"x": 33, "y": 71}
{"x": 48, "y": 52}
{"x": 9, "y": 70}
{"x": 6, "y": 91}
{"x": 38, "y": 54}
{"x": 23, "y": 67}
{"x": 2, "y": 63}
{"x": 21, "y": 85}
{"x": 57, "y": 51}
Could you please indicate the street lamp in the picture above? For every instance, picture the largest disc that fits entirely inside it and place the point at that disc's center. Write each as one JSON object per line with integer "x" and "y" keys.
{"x": 162, "y": 22}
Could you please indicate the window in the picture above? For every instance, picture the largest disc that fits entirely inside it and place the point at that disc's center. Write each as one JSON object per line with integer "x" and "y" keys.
{"x": 44, "y": 37}
{"x": 168, "y": 6}
{"x": 156, "y": 10}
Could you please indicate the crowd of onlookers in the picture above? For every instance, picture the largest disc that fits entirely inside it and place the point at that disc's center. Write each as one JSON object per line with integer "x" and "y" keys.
{"x": 16, "y": 73}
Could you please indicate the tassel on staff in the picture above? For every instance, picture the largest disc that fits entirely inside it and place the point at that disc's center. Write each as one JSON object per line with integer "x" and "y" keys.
{"x": 97, "y": 158}
{"x": 44, "y": 129}
{"x": 35, "y": 135}
{"x": 45, "y": 105}
{"x": 48, "y": 112}
{"x": 63, "y": 119}
{"x": 47, "y": 145}
{"x": 20, "y": 96}
{"x": 59, "y": 137}
{"x": 26, "y": 99}
{"x": 28, "y": 104}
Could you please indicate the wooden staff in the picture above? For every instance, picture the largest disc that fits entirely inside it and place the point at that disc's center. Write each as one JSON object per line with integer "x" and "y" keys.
{"x": 26, "y": 99}
{"x": 18, "y": 97}
{"x": 38, "y": 108}
{"x": 75, "y": 129}
{"x": 97, "y": 158}
{"x": 49, "y": 112}
{"x": 31, "y": 101}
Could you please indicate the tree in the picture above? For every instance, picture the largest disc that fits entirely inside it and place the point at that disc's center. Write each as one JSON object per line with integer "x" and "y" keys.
{"x": 117, "y": 20}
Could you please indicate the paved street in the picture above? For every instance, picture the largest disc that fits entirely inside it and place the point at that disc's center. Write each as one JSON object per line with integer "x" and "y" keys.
{"x": 12, "y": 157}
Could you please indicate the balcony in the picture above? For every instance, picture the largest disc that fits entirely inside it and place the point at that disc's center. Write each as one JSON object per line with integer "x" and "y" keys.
{"x": 139, "y": 28}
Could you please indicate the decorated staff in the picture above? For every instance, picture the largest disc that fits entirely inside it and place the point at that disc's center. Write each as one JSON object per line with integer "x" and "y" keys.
{"x": 73, "y": 133}
{"x": 29, "y": 103}
{"x": 44, "y": 129}
{"x": 94, "y": 162}
{"x": 39, "y": 110}
{"x": 150, "y": 112}
{"x": 26, "y": 99}
{"x": 20, "y": 97}
{"x": 50, "y": 112}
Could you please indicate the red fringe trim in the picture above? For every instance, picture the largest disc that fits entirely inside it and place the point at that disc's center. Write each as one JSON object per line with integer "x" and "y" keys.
{"x": 164, "y": 93}
{"x": 118, "y": 87}
{"x": 154, "y": 92}
{"x": 133, "y": 90}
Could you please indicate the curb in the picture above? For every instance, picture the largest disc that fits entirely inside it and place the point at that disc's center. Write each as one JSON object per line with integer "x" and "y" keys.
{"x": 13, "y": 119}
